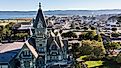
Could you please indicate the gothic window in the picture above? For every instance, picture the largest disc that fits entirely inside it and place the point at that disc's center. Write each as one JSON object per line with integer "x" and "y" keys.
{"x": 26, "y": 53}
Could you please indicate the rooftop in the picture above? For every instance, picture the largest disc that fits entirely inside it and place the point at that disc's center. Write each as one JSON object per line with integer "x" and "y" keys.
{"x": 9, "y": 50}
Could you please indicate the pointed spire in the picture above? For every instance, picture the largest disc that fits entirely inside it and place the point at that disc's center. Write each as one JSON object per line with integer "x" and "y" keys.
{"x": 40, "y": 18}
{"x": 39, "y": 5}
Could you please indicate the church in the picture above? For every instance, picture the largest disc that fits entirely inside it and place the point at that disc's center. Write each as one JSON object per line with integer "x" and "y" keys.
{"x": 44, "y": 49}
{"x": 51, "y": 48}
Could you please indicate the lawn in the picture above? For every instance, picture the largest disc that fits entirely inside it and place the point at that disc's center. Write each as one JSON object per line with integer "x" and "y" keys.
{"x": 94, "y": 63}
{"x": 101, "y": 64}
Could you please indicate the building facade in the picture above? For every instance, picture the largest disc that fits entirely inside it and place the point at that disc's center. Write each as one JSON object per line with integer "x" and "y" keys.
{"x": 51, "y": 48}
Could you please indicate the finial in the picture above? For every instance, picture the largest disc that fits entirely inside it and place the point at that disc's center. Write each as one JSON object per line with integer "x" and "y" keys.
{"x": 39, "y": 5}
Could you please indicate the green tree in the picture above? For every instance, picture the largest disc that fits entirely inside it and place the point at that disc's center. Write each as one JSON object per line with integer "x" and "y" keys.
{"x": 115, "y": 34}
{"x": 86, "y": 48}
{"x": 114, "y": 29}
{"x": 115, "y": 45}
{"x": 112, "y": 46}
{"x": 72, "y": 25}
{"x": 92, "y": 49}
{"x": 118, "y": 58}
{"x": 92, "y": 28}
{"x": 99, "y": 52}
{"x": 78, "y": 28}
{"x": 85, "y": 28}
{"x": 69, "y": 34}
{"x": 98, "y": 38}
{"x": 75, "y": 50}
{"x": 89, "y": 35}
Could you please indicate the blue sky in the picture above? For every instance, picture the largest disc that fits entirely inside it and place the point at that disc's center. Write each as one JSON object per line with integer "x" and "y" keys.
{"x": 28, "y": 5}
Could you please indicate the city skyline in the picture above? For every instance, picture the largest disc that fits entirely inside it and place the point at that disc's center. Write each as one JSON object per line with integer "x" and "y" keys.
{"x": 32, "y": 5}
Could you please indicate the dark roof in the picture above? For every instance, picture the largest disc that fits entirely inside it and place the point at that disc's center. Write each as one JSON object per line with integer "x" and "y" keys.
{"x": 32, "y": 42}
{"x": 9, "y": 50}
{"x": 61, "y": 43}
{"x": 8, "y": 56}
{"x": 39, "y": 17}
{"x": 115, "y": 38}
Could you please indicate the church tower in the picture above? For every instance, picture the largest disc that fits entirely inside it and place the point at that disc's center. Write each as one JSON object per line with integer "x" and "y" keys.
{"x": 40, "y": 32}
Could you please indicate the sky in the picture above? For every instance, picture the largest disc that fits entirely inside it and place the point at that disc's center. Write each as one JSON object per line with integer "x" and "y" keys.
{"x": 32, "y": 5}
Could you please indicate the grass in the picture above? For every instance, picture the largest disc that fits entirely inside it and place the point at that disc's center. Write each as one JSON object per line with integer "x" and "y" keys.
{"x": 101, "y": 63}
{"x": 81, "y": 57}
{"x": 94, "y": 63}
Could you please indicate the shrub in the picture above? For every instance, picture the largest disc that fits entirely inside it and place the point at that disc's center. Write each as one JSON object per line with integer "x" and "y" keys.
{"x": 115, "y": 34}
{"x": 114, "y": 29}
{"x": 118, "y": 58}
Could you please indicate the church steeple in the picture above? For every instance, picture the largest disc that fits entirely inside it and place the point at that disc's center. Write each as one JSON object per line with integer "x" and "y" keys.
{"x": 40, "y": 18}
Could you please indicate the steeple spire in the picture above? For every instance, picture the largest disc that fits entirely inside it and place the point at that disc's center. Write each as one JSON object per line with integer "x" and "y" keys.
{"x": 39, "y": 5}
{"x": 40, "y": 18}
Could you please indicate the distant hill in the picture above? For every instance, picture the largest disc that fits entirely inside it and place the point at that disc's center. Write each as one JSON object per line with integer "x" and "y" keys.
{"x": 32, "y": 14}
{"x": 82, "y": 12}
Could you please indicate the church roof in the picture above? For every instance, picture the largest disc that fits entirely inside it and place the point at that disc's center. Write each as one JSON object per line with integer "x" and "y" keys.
{"x": 39, "y": 19}
{"x": 54, "y": 43}
{"x": 9, "y": 50}
{"x": 32, "y": 49}
{"x": 57, "y": 39}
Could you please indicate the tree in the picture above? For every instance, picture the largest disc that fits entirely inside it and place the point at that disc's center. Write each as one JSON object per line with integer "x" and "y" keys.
{"x": 108, "y": 45}
{"x": 98, "y": 38}
{"x": 81, "y": 36}
{"x": 112, "y": 45}
{"x": 86, "y": 49}
{"x": 115, "y": 45}
{"x": 114, "y": 29}
{"x": 118, "y": 58}
{"x": 115, "y": 35}
{"x": 69, "y": 34}
{"x": 75, "y": 50}
{"x": 85, "y": 28}
{"x": 60, "y": 31}
{"x": 90, "y": 35}
{"x": 78, "y": 28}
{"x": 99, "y": 52}
{"x": 72, "y": 25}
{"x": 92, "y": 49}
{"x": 92, "y": 28}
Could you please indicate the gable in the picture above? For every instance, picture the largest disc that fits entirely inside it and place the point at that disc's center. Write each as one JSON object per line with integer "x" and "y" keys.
{"x": 54, "y": 45}
{"x": 27, "y": 50}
